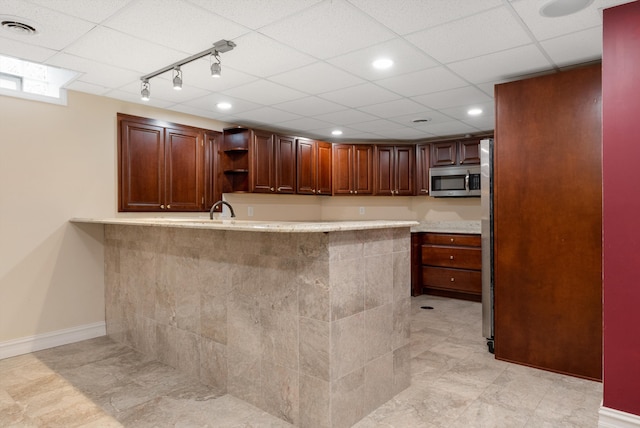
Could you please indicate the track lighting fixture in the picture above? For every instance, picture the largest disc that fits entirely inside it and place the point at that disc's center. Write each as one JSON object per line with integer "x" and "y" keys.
{"x": 145, "y": 92}
{"x": 216, "y": 67}
{"x": 219, "y": 47}
{"x": 177, "y": 79}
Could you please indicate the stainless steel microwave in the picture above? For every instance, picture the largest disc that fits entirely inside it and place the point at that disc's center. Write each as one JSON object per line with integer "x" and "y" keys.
{"x": 454, "y": 181}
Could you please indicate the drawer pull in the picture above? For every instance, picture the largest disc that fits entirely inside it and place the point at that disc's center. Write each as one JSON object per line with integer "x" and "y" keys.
{"x": 451, "y": 239}
{"x": 450, "y": 257}
{"x": 453, "y": 279}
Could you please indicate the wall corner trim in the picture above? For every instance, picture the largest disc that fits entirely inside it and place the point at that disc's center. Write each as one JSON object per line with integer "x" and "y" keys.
{"x": 611, "y": 418}
{"x": 25, "y": 345}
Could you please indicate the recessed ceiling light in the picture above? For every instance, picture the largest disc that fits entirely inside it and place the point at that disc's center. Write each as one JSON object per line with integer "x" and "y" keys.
{"x": 223, "y": 106}
{"x": 382, "y": 63}
{"x": 336, "y": 132}
{"x": 556, "y": 8}
{"x": 474, "y": 111}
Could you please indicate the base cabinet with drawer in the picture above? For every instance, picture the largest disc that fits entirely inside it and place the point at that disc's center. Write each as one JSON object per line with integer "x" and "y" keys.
{"x": 447, "y": 264}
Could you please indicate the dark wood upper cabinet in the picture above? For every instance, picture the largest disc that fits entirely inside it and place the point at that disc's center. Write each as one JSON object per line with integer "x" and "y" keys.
{"x": 274, "y": 163}
{"x": 160, "y": 168}
{"x": 394, "y": 170}
{"x": 212, "y": 172}
{"x": 456, "y": 152}
{"x": 422, "y": 168}
{"x": 352, "y": 169}
{"x": 313, "y": 167}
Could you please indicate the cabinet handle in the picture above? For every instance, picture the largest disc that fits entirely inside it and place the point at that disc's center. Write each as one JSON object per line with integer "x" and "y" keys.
{"x": 168, "y": 207}
{"x": 350, "y": 191}
{"x": 319, "y": 191}
{"x": 451, "y": 239}
{"x": 356, "y": 192}
{"x": 272, "y": 189}
{"x": 453, "y": 279}
{"x": 450, "y": 257}
{"x": 314, "y": 190}
{"x": 162, "y": 206}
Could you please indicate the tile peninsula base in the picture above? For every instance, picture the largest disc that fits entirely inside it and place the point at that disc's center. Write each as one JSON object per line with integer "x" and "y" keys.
{"x": 310, "y": 327}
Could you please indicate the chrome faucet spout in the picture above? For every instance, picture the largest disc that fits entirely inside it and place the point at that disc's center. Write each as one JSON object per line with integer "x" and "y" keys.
{"x": 217, "y": 204}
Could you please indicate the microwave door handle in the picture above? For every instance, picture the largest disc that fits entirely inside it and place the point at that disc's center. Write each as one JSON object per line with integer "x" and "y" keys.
{"x": 466, "y": 181}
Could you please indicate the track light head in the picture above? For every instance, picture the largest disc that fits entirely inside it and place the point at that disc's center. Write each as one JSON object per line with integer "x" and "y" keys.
{"x": 177, "y": 79}
{"x": 216, "y": 67}
{"x": 145, "y": 92}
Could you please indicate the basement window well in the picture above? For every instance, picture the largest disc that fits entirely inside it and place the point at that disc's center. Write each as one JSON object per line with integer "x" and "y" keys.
{"x": 30, "y": 80}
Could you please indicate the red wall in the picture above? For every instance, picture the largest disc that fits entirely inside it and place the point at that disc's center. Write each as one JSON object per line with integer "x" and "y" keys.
{"x": 621, "y": 206}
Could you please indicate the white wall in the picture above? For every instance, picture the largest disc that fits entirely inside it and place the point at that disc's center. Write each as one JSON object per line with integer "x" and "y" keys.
{"x": 59, "y": 162}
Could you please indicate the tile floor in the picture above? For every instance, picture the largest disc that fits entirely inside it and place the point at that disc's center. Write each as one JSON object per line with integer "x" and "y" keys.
{"x": 455, "y": 383}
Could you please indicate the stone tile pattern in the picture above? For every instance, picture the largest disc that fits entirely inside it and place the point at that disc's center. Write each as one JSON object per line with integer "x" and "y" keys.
{"x": 310, "y": 327}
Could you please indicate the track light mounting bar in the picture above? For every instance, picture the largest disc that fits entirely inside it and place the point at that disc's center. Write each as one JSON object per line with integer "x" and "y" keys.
{"x": 220, "y": 46}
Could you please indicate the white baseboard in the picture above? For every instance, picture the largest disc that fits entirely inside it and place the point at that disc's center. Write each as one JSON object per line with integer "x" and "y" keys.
{"x": 611, "y": 418}
{"x": 25, "y": 345}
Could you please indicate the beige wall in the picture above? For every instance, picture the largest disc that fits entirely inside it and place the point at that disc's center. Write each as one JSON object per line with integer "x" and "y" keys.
{"x": 59, "y": 162}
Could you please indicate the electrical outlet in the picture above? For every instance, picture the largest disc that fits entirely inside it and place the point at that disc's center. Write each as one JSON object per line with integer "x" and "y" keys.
{"x": 250, "y": 211}
{"x": 361, "y": 210}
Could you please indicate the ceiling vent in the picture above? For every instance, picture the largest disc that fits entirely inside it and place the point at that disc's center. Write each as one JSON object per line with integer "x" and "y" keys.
{"x": 18, "y": 27}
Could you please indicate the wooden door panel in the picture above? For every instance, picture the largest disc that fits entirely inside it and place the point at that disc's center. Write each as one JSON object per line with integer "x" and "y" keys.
{"x": 405, "y": 170}
{"x": 385, "y": 161}
{"x": 184, "y": 170}
{"x": 306, "y": 166}
{"x": 263, "y": 163}
{"x": 324, "y": 168}
{"x": 342, "y": 169}
{"x": 285, "y": 164}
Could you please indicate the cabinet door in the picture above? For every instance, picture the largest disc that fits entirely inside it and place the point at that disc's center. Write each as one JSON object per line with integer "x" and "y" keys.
{"x": 184, "y": 164}
{"x": 306, "y": 165}
{"x": 342, "y": 169}
{"x": 141, "y": 175}
{"x": 324, "y": 168}
{"x": 422, "y": 168}
{"x": 285, "y": 164}
{"x": 384, "y": 175}
{"x": 212, "y": 173}
{"x": 470, "y": 152}
{"x": 443, "y": 154}
{"x": 263, "y": 163}
{"x": 404, "y": 170}
{"x": 363, "y": 169}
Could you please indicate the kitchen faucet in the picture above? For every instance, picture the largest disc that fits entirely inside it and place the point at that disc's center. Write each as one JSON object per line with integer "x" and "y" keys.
{"x": 217, "y": 204}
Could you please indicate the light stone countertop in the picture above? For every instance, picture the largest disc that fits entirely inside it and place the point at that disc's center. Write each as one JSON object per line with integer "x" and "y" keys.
{"x": 462, "y": 226}
{"x": 251, "y": 225}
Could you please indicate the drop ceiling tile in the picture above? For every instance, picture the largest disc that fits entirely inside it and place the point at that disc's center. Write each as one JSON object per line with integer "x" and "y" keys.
{"x": 182, "y": 108}
{"x": 472, "y": 37}
{"x": 264, "y": 92}
{"x": 375, "y": 125}
{"x": 506, "y": 65}
{"x": 546, "y": 28}
{"x": 404, "y": 134}
{"x": 304, "y": 124}
{"x": 575, "y": 48}
{"x": 361, "y": 95}
{"x": 345, "y": 117}
{"x": 460, "y": 112}
{"x": 432, "y": 115}
{"x": 261, "y": 56}
{"x": 54, "y": 30}
{"x": 94, "y": 72}
{"x": 409, "y": 16}
{"x": 93, "y": 11}
{"x": 449, "y": 128}
{"x": 309, "y": 106}
{"x": 423, "y": 82}
{"x": 482, "y": 123}
{"x": 328, "y": 29}
{"x": 348, "y": 134}
{"x": 267, "y": 115}
{"x": 89, "y": 88}
{"x": 317, "y": 78}
{"x": 25, "y": 51}
{"x": 135, "y": 98}
{"x": 394, "y": 108}
{"x": 105, "y": 46}
{"x": 255, "y": 14}
{"x": 453, "y": 97}
{"x": 406, "y": 59}
{"x": 175, "y": 24}
{"x": 210, "y": 101}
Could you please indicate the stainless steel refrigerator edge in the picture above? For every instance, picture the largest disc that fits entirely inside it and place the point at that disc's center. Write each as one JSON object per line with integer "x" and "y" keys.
{"x": 486, "y": 224}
